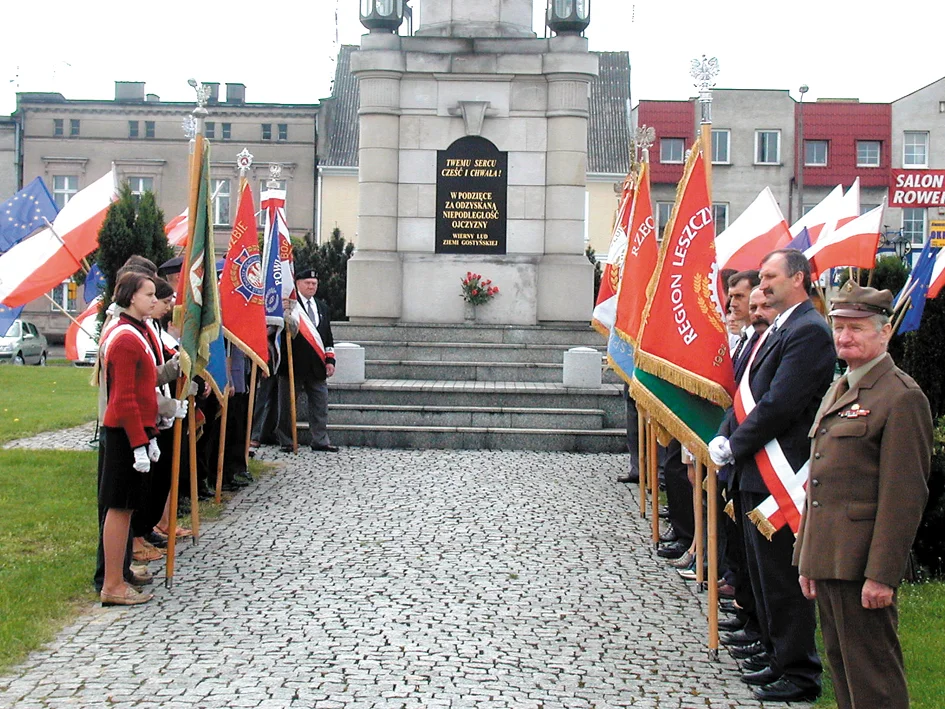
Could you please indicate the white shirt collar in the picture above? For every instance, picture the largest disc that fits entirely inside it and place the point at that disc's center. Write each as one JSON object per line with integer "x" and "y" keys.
{"x": 780, "y": 320}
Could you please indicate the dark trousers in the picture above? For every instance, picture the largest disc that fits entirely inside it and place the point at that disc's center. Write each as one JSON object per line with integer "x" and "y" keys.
{"x": 266, "y": 410}
{"x": 234, "y": 452}
{"x": 633, "y": 434}
{"x": 316, "y": 405}
{"x": 737, "y": 563}
{"x": 678, "y": 492}
{"x": 787, "y": 619}
{"x": 862, "y": 648}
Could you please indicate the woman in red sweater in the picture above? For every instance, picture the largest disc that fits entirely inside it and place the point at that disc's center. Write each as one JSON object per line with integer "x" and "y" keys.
{"x": 130, "y": 422}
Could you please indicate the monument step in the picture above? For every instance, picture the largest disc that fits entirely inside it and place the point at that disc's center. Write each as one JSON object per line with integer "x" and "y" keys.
{"x": 564, "y": 334}
{"x": 491, "y": 394}
{"x": 465, "y": 416}
{"x": 468, "y": 351}
{"x": 475, "y": 438}
{"x": 471, "y": 371}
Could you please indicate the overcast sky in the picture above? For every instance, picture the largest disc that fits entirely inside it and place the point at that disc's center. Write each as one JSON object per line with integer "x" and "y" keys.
{"x": 283, "y": 51}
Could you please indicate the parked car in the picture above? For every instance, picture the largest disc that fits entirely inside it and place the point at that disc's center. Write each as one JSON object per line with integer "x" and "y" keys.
{"x": 23, "y": 344}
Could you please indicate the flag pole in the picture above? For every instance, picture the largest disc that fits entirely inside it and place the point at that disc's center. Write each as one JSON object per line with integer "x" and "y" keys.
{"x": 712, "y": 493}
{"x": 251, "y": 406}
{"x": 642, "y": 464}
{"x": 699, "y": 519}
{"x": 221, "y": 448}
{"x": 82, "y": 263}
{"x": 68, "y": 315}
{"x": 293, "y": 414}
{"x": 651, "y": 459}
{"x": 196, "y": 152}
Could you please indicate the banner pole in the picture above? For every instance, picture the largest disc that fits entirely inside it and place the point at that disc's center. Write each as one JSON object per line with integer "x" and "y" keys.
{"x": 175, "y": 490}
{"x": 652, "y": 461}
{"x": 712, "y": 492}
{"x": 642, "y": 460}
{"x": 249, "y": 416}
{"x": 222, "y": 445}
{"x": 68, "y": 314}
{"x": 192, "y": 449}
{"x": 699, "y": 520}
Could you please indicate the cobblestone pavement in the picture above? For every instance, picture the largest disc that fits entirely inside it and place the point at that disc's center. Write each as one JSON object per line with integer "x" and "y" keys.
{"x": 380, "y": 578}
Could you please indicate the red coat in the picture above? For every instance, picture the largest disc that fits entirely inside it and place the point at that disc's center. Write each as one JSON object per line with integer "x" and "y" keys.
{"x": 131, "y": 380}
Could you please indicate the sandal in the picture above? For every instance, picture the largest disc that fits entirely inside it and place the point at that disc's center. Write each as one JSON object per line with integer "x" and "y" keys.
{"x": 180, "y": 533}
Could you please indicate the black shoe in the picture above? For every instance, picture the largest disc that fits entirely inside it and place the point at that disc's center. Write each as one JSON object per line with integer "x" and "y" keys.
{"x": 762, "y": 677}
{"x": 183, "y": 507}
{"x": 244, "y": 476}
{"x": 230, "y": 486}
{"x": 784, "y": 690}
{"x": 287, "y": 448}
{"x": 669, "y": 535}
{"x": 664, "y": 512}
{"x": 742, "y": 652}
{"x": 726, "y": 605}
{"x": 628, "y": 479}
{"x": 740, "y": 637}
{"x": 756, "y": 662}
{"x": 674, "y": 550}
{"x": 731, "y": 624}
{"x": 326, "y": 449}
{"x": 156, "y": 541}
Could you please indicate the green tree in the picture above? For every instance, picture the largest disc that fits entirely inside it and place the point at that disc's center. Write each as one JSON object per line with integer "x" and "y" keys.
{"x": 131, "y": 227}
{"x": 330, "y": 259}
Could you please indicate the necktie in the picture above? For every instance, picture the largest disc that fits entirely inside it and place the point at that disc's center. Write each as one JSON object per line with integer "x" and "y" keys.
{"x": 843, "y": 386}
{"x": 310, "y": 310}
{"x": 739, "y": 347}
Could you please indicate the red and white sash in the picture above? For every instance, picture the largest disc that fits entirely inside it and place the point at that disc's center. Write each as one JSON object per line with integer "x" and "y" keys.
{"x": 788, "y": 487}
{"x": 310, "y": 333}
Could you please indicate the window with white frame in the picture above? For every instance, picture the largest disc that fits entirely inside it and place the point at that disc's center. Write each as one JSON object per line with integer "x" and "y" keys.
{"x": 64, "y": 188}
{"x": 58, "y": 127}
{"x": 132, "y": 129}
{"x": 767, "y": 147}
{"x": 913, "y": 224}
{"x": 64, "y": 295}
{"x": 227, "y": 130}
{"x": 815, "y": 153}
{"x": 220, "y": 189}
{"x": 720, "y": 216}
{"x": 209, "y": 130}
{"x": 672, "y": 150}
{"x": 721, "y": 140}
{"x": 915, "y": 149}
{"x": 283, "y": 131}
{"x": 663, "y": 212}
{"x": 74, "y": 127}
{"x": 149, "y": 129}
{"x": 867, "y": 153}
{"x": 140, "y": 185}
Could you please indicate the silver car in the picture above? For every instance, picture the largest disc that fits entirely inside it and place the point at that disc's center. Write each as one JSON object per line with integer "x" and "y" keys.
{"x": 23, "y": 344}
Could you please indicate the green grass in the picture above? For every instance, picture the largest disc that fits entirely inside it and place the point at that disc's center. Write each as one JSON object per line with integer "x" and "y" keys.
{"x": 36, "y": 399}
{"x": 922, "y": 633}
{"x": 47, "y": 545}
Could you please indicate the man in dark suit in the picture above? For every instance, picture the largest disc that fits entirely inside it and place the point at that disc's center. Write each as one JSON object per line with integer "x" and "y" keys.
{"x": 871, "y": 454}
{"x": 787, "y": 377}
{"x": 311, "y": 371}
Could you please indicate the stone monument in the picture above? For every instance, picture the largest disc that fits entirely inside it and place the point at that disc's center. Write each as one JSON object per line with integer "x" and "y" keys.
{"x": 473, "y": 156}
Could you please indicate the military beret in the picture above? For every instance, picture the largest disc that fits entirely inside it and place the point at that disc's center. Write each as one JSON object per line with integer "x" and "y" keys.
{"x": 856, "y": 301}
{"x": 307, "y": 273}
{"x": 173, "y": 265}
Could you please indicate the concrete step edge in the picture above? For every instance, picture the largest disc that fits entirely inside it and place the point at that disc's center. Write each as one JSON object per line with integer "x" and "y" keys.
{"x": 616, "y": 432}
{"x": 468, "y": 409}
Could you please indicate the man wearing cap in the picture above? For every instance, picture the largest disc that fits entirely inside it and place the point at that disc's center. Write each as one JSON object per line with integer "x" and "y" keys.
{"x": 870, "y": 458}
{"x": 311, "y": 371}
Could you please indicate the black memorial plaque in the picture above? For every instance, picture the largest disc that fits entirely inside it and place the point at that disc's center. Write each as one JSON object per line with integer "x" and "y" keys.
{"x": 472, "y": 180}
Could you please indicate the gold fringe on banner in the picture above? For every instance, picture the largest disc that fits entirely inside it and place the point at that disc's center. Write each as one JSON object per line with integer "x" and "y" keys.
{"x": 730, "y": 509}
{"x": 600, "y": 328}
{"x": 762, "y": 523}
{"x": 671, "y": 424}
{"x": 672, "y": 373}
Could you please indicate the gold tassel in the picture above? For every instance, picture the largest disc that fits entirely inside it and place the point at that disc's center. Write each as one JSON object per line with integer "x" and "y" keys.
{"x": 762, "y": 523}
{"x": 693, "y": 383}
{"x": 730, "y": 509}
{"x": 673, "y": 426}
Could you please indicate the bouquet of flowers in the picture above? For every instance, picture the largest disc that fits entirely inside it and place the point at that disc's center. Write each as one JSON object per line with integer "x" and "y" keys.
{"x": 476, "y": 290}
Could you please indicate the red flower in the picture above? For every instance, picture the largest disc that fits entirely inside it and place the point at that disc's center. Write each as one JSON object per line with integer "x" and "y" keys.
{"x": 475, "y": 291}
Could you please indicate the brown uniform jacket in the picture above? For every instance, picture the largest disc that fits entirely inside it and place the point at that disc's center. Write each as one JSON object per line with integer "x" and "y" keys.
{"x": 870, "y": 458}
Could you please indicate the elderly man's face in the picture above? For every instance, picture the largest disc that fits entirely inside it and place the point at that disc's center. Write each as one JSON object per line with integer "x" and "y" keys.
{"x": 307, "y": 287}
{"x": 858, "y": 340}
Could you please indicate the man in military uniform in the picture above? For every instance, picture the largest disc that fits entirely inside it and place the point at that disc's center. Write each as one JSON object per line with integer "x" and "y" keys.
{"x": 869, "y": 466}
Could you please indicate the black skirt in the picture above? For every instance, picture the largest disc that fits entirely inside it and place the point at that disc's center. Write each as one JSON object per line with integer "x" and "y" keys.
{"x": 122, "y": 487}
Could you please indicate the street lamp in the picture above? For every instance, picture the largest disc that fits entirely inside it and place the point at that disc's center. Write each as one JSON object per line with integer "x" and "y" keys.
{"x": 802, "y": 156}
{"x": 382, "y": 15}
{"x": 568, "y": 16}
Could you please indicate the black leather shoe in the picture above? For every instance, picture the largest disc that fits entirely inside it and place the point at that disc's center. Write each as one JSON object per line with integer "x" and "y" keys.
{"x": 727, "y": 605}
{"x": 784, "y": 690}
{"x": 756, "y": 662}
{"x": 739, "y": 637}
{"x": 669, "y": 535}
{"x": 628, "y": 479}
{"x": 244, "y": 476}
{"x": 286, "y": 448}
{"x": 762, "y": 677}
{"x": 664, "y": 512}
{"x": 731, "y": 623}
{"x": 744, "y": 651}
{"x": 673, "y": 550}
{"x": 326, "y": 449}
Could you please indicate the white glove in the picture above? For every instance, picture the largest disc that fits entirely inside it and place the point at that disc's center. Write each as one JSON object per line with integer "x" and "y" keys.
{"x": 165, "y": 423}
{"x": 154, "y": 453}
{"x": 720, "y": 451}
{"x": 175, "y": 362}
{"x": 192, "y": 388}
{"x": 142, "y": 463}
{"x": 181, "y": 412}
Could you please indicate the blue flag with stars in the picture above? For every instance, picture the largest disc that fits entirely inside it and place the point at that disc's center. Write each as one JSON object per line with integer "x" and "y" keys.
{"x": 24, "y": 213}
{"x": 94, "y": 284}
{"x": 7, "y": 316}
{"x": 917, "y": 287}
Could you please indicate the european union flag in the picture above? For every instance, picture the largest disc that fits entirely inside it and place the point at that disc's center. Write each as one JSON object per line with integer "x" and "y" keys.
{"x": 7, "y": 316}
{"x": 801, "y": 242}
{"x": 24, "y": 213}
{"x": 94, "y": 284}
{"x": 921, "y": 277}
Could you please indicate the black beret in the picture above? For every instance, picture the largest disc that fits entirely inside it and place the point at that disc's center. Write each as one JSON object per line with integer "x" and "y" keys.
{"x": 307, "y": 273}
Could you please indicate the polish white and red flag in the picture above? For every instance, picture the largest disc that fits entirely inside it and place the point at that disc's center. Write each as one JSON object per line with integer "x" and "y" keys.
{"x": 819, "y": 215}
{"x": 40, "y": 263}
{"x": 605, "y": 310}
{"x": 82, "y": 330}
{"x": 758, "y": 231}
{"x": 853, "y": 244}
{"x": 176, "y": 230}
{"x": 938, "y": 276}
